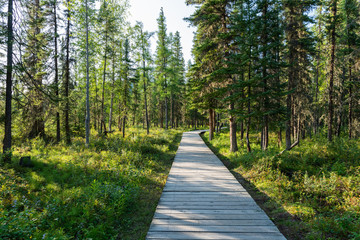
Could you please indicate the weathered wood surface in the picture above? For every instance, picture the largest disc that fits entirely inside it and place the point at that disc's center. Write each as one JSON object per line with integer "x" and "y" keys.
{"x": 203, "y": 200}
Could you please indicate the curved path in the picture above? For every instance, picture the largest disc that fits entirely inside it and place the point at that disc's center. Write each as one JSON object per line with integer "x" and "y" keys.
{"x": 203, "y": 200}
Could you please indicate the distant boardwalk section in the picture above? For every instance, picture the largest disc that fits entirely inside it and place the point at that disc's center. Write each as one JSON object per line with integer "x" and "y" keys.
{"x": 203, "y": 200}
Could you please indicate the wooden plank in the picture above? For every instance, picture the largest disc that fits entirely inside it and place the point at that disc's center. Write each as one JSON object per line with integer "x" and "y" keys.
{"x": 200, "y": 198}
{"x": 214, "y": 235}
{"x": 207, "y": 203}
{"x": 213, "y": 207}
{"x": 203, "y": 184}
{"x": 213, "y": 216}
{"x": 210, "y": 228}
{"x": 201, "y": 189}
{"x": 233, "y": 222}
{"x": 204, "y": 211}
{"x": 196, "y": 193}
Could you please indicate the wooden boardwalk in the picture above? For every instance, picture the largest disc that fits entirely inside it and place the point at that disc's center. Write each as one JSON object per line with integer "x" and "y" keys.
{"x": 203, "y": 200}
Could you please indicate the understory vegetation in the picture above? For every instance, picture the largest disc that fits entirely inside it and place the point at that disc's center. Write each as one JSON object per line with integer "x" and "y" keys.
{"x": 107, "y": 191}
{"x": 317, "y": 183}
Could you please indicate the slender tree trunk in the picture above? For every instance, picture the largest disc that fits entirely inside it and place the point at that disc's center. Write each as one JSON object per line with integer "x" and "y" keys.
{"x": 232, "y": 123}
{"x": 264, "y": 38}
{"x": 112, "y": 92}
{"x": 172, "y": 111}
{"x": 97, "y": 124}
{"x": 289, "y": 121}
{"x": 145, "y": 87}
{"x": 341, "y": 105}
{"x": 58, "y": 133}
{"x": 316, "y": 118}
{"x": 161, "y": 115}
{"x": 350, "y": 101}
{"x": 67, "y": 78}
{"x": 166, "y": 113}
{"x": 211, "y": 124}
{"x": 332, "y": 68}
{"x": 102, "y": 124}
{"x": 8, "y": 123}
{"x": 119, "y": 117}
{"x": 248, "y": 146}
{"x": 87, "y": 118}
{"x": 124, "y": 124}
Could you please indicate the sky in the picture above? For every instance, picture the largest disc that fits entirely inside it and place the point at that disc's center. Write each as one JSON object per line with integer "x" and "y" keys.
{"x": 147, "y": 11}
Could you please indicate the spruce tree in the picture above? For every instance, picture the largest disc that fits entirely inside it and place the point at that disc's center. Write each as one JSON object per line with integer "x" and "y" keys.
{"x": 161, "y": 61}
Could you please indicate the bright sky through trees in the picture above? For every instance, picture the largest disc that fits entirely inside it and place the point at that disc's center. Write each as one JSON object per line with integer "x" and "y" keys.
{"x": 148, "y": 11}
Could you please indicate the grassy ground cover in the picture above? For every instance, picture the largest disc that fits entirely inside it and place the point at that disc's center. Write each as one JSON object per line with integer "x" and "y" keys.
{"x": 311, "y": 192}
{"x": 107, "y": 191}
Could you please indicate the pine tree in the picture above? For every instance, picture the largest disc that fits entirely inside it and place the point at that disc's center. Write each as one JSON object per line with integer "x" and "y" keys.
{"x": 126, "y": 74}
{"x": 34, "y": 66}
{"x": 350, "y": 39}
{"x": 333, "y": 23}
{"x": 161, "y": 61}
{"x": 67, "y": 74}
{"x": 8, "y": 109}
{"x": 87, "y": 118}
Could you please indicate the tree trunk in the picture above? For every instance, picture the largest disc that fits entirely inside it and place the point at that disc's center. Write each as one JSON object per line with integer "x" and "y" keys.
{"x": 350, "y": 102}
{"x": 332, "y": 68}
{"x": 102, "y": 124}
{"x": 264, "y": 38}
{"x": 211, "y": 124}
{"x": 145, "y": 87}
{"x": 316, "y": 117}
{"x": 87, "y": 118}
{"x": 67, "y": 78}
{"x": 58, "y": 133}
{"x": 161, "y": 115}
{"x": 232, "y": 123}
{"x": 341, "y": 105}
{"x": 166, "y": 113}
{"x": 112, "y": 93}
{"x": 8, "y": 122}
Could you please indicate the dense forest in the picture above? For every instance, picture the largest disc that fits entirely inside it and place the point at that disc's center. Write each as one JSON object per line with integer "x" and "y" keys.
{"x": 77, "y": 60}
{"x": 99, "y": 111}
{"x": 264, "y": 65}
{"x": 284, "y": 66}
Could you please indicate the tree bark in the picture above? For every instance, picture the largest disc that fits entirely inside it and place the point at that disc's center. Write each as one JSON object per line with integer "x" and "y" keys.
{"x": 87, "y": 118}
{"x": 58, "y": 133}
{"x": 144, "y": 85}
{"x": 232, "y": 123}
{"x": 67, "y": 78}
{"x": 8, "y": 120}
{"x": 102, "y": 124}
{"x": 211, "y": 123}
{"x": 350, "y": 102}
{"x": 112, "y": 93}
{"x": 332, "y": 68}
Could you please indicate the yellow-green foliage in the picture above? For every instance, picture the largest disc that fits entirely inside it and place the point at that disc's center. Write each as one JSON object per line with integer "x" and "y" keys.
{"x": 107, "y": 191}
{"x": 317, "y": 181}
